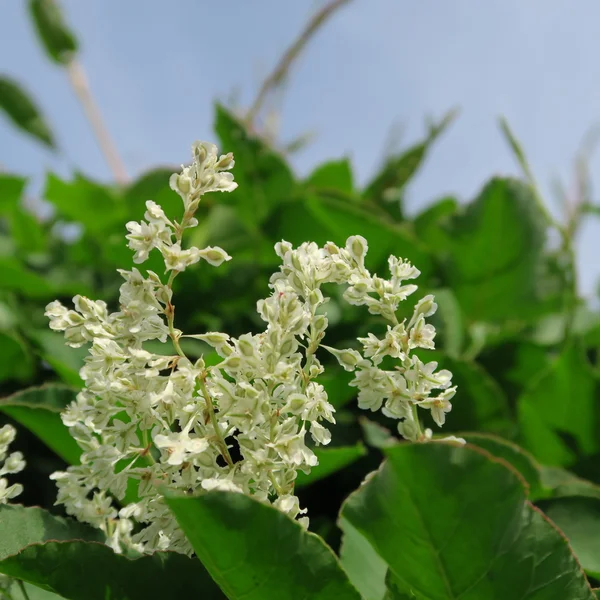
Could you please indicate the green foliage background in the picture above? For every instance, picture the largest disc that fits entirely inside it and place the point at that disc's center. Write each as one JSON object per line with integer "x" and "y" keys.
{"x": 522, "y": 345}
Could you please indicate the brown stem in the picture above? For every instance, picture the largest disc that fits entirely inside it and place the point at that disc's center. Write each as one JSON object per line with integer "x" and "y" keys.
{"x": 288, "y": 57}
{"x": 82, "y": 90}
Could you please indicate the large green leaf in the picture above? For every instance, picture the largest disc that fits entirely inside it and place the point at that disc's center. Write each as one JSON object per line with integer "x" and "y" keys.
{"x": 514, "y": 455}
{"x": 453, "y": 523}
{"x": 59, "y": 555}
{"x": 496, "y": 249}
{"x": 38, "y": 409}
{"x": 431, "y": 225}
{"x": 23, "y": 112}
{"x": 579, "y": 519}
{"x": 365, "y": 568}
{"x": 264, "y": 178}
{"x": 56, "y": 38}
{"x": 255, "y": 552}
{"x": 331, "y": 460}
{"x": 557, "y": 414}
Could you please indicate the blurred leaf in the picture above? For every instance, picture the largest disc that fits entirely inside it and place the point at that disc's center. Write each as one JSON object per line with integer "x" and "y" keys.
{"x": 15, "y": 277}
{"x": 31, "y": 592}
{"x": 248, "y": 547}
{"x": 95, "y": 206}
{"x": 561, "y": 401}
{"x": 514, "y": 455}
{"x": 38, "y": 409}
{"x": 479, "y": 404}
{"x": 452, "y": 523}
{"x": 15, "y": 358}
{"x": 264, "y": 178}
{"x": 323, "y": 219}
{"x": 364, "y": 567}
{"x": 54, "y": 34}
{"x": 431, "y": 225}
{"x": 579, "y": 519}
{"x": 516, "y": 148}
{"x": 50, "y": 552}
{"x": 497, "y": 244}
{"x": 560, "y": 483}
{"x": 66, "y": 361}
{"x": 336, "y": 383}
{"x": 450, "y": 317}
{"x": 23, "y": 112}
{"x": 375, "y": 434}
{"x": 331, "y": 460}
{"x": 335, "y": 175}
{"x": 11, "y": 190}
{"x": 399, "y": 169}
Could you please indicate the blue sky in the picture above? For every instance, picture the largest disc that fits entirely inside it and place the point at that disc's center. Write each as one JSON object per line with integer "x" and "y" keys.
{"x": 379, "y": 65}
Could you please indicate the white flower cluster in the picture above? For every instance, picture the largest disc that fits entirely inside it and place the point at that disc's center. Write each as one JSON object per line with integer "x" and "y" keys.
{"x": 9, "y": 465}
{"x": 410, "y": 384}
{"x": 167, "y": 422}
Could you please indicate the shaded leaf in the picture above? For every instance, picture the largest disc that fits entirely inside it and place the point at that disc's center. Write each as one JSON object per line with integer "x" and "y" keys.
{"x": 264, "y": 178}
{"x": 331, "y": 460}
{"x": 452, "y": 523}
{"x": 495, "y": 253}
{"x": 36, "y": 547}
{"x": 255, "y": 552}
{"x": 54, "y": 34}
{"x": 579, "y": 519}
{"x": 23, "y": 112}
{"x": 364, "y": 567}
{"x": 560, "y": 403}
{"x": 38, "y": 409}
{"x": 15, "y": 358}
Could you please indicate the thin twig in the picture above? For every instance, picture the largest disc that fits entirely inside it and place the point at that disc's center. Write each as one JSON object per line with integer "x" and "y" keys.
{"x": 82, "y": 90}
{"x": 284, "y": 64}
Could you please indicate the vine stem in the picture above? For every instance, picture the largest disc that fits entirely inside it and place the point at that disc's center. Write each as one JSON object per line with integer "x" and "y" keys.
{"x": 283, "y": 66}
{"x": 81, "y": 87}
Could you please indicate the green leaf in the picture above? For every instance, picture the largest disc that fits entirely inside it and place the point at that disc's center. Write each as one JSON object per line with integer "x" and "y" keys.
{"x": 332, "y": 219}
{"x": 65, "y": 361}
{"x": 364, "y": 567}
{"x": 375, "y": 434}
{"x": 56, "y": 38}
{"x": 331, "y": 460}
{"x": 495, "y": 253}
{"x": 560, "y": 483}
{"x": 558, "y": 411}
{"x": 265, "y": 180}
{"x": 336, "y": 383}
{"x": 49, "y": 552}
{"x": 514, "y": 455}
{"x": 255, "y": 552}
{"x": 452, "y": 327}
{"x": 23, "y": 112}
{"x": 15, "y": 359}
{"x": 333, "y": 176}
{"x": 480, "y": 403}
{"x": 452, "y": 523}
{"x": 431, "y": 225}
{"x": 399, "y": 170}
{"x": 95, "y": 206}
{"x": 579, "y": 519}
{"x": 31, "y": 592}
{"x": 11, "y": 190}
{"x": 15, "y": 277}
{"x": 38, "y": 409}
